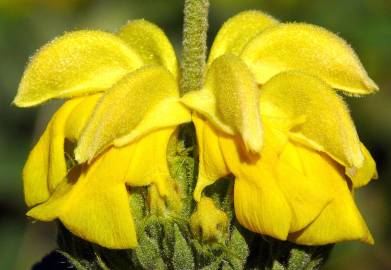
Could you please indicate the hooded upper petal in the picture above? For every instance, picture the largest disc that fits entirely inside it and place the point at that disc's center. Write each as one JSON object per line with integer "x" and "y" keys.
{"x": 84, "y": 62}
{"x": 328, "y": 126}
{"x": 75, "y": 64}
{"x": 310, "y": 49}
{"x": 126, "y": 105}
{"x": 230, "y": 100}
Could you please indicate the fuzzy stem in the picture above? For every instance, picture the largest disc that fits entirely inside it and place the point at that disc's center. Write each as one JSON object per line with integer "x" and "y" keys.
{"x": 195, "y": 27}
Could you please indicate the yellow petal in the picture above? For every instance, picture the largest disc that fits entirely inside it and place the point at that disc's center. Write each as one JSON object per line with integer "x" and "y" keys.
{"x": 238, "y": 31}
{"x": 149, "y": 161}
{"x": 75, "y": 64}
{"x": 124, "y": 106}
{"x": 57, "y": 163}
{"x": 46, "y": 165}
{"x": 35, "y": 172}
{"x": 211, "y": 163}
{"x": 327, "y": 127}
{"x": 260, "y": 206}
{"x": 311, "y": 49}
{"x": 276, "y": 133}
{"x": 150, "y": 43}
{"x": 95, "y": 206}
{"x": 68, "y": 123}
{"x": 361, "y": 176}
{"x": 52, "y": 208}
{"x": 79, "y": 116}
{"x": 339, "y": 221}
{"x": 230, "y": 100}
{"x": 169, "y": 112}
{"x": 302, "y": 175}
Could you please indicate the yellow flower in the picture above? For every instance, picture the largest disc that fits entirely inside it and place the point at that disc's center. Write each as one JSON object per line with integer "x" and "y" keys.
{"x": 111, "y": 134}
{"x": 268, "y": 114}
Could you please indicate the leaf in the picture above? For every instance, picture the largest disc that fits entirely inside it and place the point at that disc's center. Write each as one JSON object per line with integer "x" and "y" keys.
{"x": 238, "y": 250}
{"x": 183, "y": 256}
{"x": 148, "y": 253}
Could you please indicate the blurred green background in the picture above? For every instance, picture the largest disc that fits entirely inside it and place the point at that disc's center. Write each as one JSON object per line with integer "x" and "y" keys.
{"x": 25, "y": 25}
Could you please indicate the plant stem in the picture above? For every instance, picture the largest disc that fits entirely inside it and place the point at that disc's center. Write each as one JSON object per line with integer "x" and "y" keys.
{"x": 195, "y": 27}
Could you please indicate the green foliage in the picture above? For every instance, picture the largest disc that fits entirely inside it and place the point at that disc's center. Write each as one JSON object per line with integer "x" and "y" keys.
{"x": 182, "y": 256}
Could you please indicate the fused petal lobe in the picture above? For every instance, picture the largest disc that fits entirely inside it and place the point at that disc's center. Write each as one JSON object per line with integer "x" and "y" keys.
{"x": 260, "y": 206}
{"x": 302, "y": 177}
{"x": 339, "y": 221}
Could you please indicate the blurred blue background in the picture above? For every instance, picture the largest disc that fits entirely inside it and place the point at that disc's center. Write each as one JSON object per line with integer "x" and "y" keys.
{"x": 25, "y": 25}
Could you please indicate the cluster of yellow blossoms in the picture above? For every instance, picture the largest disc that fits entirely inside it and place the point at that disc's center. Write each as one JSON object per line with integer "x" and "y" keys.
{"x": 267, "y": 114}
